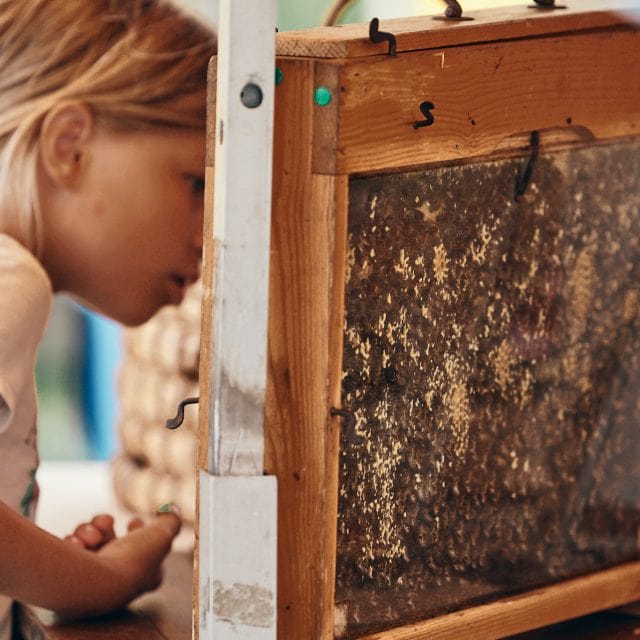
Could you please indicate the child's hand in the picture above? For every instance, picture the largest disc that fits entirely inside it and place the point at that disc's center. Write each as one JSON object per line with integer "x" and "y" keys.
{"x": 138, "y": 555}
{"x": 93, "y": 535}
{"x": 99, "y": 574}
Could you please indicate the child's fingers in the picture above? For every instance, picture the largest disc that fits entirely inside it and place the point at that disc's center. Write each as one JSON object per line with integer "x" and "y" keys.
{"x": 104, "y": 523}
{"x": 90, "y": 536}
{"x": 169, "y": 518}
{"x": 74, "y": 540}
{"x": 93, "y": 535}
{"x": 135, "y": 523}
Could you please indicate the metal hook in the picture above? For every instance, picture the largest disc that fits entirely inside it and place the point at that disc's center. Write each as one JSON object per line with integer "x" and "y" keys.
{"x": 349, "y": 425}
{"x": 453, "y": 10}
{"x": 174, "y": 423}
{"x": 546, "y": 4}
{"x": 377, "y": 36}
{"x": 522, "y": 180}
{"x": 425, "y": 110}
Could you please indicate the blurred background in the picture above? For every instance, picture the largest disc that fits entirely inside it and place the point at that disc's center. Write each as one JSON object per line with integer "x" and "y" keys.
{"x": 82, "y": 352}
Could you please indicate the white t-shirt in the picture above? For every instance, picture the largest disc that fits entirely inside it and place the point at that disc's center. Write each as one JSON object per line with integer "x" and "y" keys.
{"x": 25, "y": 304}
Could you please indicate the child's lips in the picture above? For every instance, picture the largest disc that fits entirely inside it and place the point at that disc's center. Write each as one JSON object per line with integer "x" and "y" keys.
{"x": 178, "y": 284}
{"x": 183, "y": 279}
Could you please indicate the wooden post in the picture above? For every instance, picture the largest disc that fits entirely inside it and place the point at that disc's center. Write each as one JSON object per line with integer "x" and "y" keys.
{"x": 236, "y": 561}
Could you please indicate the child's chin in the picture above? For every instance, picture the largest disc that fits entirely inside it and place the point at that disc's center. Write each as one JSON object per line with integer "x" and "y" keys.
{"x": 136, "y": 315}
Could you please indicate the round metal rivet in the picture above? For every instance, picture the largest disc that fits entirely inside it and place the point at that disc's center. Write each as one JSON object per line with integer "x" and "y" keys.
{"x": 251, "y": 95}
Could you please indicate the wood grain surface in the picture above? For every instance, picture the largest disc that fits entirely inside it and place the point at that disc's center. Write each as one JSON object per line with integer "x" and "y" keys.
{"x": 304, "y": 319}
{"x": 487, "y": 99}
{"x": 536, "y": 609}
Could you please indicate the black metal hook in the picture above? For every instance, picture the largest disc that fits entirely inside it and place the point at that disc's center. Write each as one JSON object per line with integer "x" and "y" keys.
{"x": 349, "y": 425}
{"x": 174, "y": 423}
{"x": 522, "y": 180}
{"x": 376, "y": 36}
{"x": 425, "y": 110}
{"x": 547, "y": 4}
{"x": 453, "y": 10}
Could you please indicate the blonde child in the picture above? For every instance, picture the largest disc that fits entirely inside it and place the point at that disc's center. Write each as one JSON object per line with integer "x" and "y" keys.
{"x": 102, "y": 113}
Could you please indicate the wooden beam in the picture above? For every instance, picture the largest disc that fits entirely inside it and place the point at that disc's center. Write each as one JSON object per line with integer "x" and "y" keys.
{"x": 425, "y": 32}
{"x": 305, "y": 320}
{"x": 538, "y": 608}
{"x": 486, "y": 99}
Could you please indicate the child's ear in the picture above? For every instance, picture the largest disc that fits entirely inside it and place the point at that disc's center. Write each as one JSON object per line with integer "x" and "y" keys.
{"x": 64, "y": 136}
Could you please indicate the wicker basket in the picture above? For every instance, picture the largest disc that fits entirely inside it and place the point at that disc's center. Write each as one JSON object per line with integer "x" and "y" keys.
{"x": 159, "y": 369}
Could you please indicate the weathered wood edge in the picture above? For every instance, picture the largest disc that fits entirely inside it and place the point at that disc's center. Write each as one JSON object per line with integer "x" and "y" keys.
{"x": 423, "y": 32}
{"x": 301, "y": 437}
{"x": 336, "y": 350}
{"x": 204, "y": 379}
{"x": 534, "y": 609}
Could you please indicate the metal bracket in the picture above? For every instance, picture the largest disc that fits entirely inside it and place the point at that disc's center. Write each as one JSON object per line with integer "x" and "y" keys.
{"x": 241, "y": 230}
{"x": 238, "y": 557}
{"x": 238, "y": 511}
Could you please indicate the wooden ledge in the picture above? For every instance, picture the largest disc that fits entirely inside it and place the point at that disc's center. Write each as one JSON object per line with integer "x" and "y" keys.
{"x": 545, "y": 606}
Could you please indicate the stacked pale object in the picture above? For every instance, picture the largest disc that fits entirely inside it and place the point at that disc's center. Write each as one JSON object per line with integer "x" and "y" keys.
{"x": 159, "y": 370}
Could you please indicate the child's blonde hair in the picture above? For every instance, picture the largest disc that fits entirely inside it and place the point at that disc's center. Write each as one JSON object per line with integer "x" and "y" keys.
{"x": 136, "y": 63}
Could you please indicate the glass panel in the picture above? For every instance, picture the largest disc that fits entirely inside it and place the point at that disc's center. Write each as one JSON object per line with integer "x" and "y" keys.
{"x": 492, "y": 362}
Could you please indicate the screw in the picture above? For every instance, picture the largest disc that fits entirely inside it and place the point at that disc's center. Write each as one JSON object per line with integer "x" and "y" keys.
{"x": 251, "y": 95}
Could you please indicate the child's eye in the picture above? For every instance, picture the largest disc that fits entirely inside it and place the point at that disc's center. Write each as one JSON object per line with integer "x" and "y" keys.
{"x": 197, "y": 184}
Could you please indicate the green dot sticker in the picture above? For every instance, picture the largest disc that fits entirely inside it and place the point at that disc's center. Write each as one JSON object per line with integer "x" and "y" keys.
{"x": 278, "y": 76}
{"x": 322, "y": 96}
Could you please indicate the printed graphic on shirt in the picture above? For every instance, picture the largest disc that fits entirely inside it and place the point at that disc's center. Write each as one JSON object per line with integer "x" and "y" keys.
{"x": 30, "y": 498}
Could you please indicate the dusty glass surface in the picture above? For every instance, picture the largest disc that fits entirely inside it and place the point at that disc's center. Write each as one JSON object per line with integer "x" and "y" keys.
{"x": 492, "y": 362}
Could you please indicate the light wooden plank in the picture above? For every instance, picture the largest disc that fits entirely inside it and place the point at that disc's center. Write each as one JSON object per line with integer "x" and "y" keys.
{"x": 204, "y": 374}
{"x": 423, "y": 32}
{"x": 570, "y": 599}
{"x": 336, "y": 349}
{"x": 299, "y": 430}
{"x": 488, "y": 98}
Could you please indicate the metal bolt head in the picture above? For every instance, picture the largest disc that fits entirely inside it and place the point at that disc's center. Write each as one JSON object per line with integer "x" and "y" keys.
{"x": 251, "y": 95}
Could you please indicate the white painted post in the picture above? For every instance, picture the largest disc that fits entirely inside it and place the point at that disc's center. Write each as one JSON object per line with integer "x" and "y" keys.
{"x": 238, "y": 504}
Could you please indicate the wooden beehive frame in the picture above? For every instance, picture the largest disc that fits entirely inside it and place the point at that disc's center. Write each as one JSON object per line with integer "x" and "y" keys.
{"x": 492, "y": 82}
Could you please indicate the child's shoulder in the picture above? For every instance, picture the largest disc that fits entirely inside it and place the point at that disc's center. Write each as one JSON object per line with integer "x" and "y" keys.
{"x": 24, "y": 282}
{"x": 15, "y": 255}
